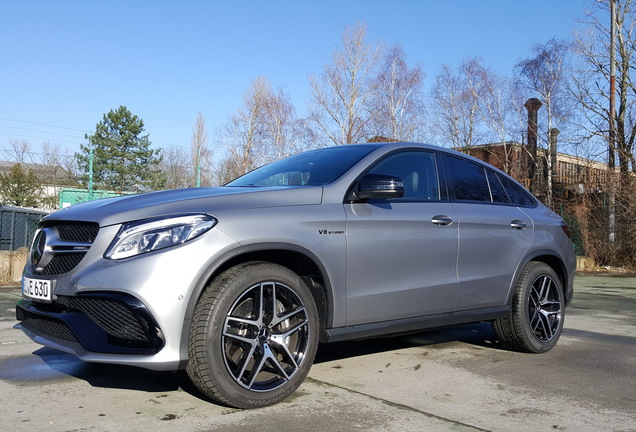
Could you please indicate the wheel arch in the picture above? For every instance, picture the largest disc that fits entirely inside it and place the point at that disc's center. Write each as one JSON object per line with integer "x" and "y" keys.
{"x": 297, "y": 259}
{"x": 546, "y": 257}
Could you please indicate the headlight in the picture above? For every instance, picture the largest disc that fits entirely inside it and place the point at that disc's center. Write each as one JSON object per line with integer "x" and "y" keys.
{"x": 147, "y": 235}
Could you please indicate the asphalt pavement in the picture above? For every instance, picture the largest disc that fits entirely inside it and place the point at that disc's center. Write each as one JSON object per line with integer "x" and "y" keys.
{"x": 455, "y": 379}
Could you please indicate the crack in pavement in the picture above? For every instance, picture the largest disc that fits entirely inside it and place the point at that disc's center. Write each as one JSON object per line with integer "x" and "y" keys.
{"x": 398, "y": 405}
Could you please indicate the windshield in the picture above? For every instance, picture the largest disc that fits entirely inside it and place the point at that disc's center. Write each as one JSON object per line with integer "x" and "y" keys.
{"x": 312, "y": 168}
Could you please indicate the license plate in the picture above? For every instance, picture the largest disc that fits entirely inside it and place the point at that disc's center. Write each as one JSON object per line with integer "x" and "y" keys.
{"x": 40, "y": 289}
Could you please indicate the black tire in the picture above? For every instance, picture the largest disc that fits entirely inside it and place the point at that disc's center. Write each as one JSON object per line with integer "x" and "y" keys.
{"x": 535, "y": 321}
{"x": 254, "y": 336}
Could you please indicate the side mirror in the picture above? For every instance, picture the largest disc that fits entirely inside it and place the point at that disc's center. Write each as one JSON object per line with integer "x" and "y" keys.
{"x": 381, "y": 186}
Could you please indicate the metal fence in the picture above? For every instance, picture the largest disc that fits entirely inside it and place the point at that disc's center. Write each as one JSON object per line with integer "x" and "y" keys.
{"x": 69, "y": 196}
{"x": 17, "y": 227}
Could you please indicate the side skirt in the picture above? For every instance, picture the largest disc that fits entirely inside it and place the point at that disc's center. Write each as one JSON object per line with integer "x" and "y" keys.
{"x": 410, "y": 325}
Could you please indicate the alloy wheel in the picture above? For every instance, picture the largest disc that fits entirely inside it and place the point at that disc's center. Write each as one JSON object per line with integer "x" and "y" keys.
{"x": 544, "y": 308}
{"x": 265, "y": 336}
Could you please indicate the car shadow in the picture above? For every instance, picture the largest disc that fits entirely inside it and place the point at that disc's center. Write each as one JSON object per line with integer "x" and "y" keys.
{"x": 52, "y": 365}
{"x": 479, "y": 334}
{"x": 56, "y": 365}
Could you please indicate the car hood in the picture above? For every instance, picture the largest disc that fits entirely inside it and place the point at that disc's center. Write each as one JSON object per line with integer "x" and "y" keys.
{"x": 110, "y": 211}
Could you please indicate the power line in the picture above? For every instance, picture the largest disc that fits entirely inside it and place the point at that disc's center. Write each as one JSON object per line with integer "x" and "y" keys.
{"x": 47, "y": 135}
{"x": 38, "y": 131}
{"x": 43, "y": 124}
{"x": 41, "y": 138}
{"x": 154, "y": 142}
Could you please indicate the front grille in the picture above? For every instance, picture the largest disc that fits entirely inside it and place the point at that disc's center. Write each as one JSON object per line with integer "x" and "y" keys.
{"x": 66, "y": 244}
{"x": 81, "y": 232}
{"x": 111, "y": 315}
{"x": 62, "y": 263}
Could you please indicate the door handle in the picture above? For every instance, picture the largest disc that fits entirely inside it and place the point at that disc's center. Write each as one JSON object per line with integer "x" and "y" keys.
{"x": 517, "y": 224}
{"x": 441, "y": 220}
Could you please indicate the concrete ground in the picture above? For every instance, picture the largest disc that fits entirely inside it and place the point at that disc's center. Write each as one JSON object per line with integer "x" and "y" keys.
{"x": 448, "y": 380}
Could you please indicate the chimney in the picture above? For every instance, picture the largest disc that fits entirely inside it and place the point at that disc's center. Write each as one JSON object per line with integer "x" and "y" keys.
{"x": 552, "y": 148}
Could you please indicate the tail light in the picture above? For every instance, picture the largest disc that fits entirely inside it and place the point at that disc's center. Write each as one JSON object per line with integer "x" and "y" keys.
{"x": 566, "y": 229}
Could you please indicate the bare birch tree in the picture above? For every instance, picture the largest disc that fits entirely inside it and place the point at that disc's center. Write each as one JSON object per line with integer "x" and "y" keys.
{"x": 201, "y": 154}
{"x": 243, "y": 134}
{"x": 342, "y": 93}
{"x": 592, "y": 89}
{"x": 398, "y": 105}
{"x": 591, "y": 81}
{"x": 543, "y": 75}
{"x": 52, "y": 154}
{"x": 265, "y": 128}
{"x": 497, "y": 112}
{"x": 21, "y": 151}
{"x": 455, "y": 109}
{"x": 176, "y": 167}
{"x": 286, "y": 134}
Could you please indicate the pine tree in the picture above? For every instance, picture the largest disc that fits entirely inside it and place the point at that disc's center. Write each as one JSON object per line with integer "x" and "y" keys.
{"x": 20, "y": 188}
{"x": 122, "y": 157}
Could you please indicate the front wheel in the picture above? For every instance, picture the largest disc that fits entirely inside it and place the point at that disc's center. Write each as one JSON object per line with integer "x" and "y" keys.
{"x": 254, "y": 336}
{"x": 535, "y": 321}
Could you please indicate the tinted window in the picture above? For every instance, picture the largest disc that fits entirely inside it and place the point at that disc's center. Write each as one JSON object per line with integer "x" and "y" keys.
{"x": 518, "y": 195}
{"x": 496, "y": 188}
{"x": 469, "y": 180}
{"x": 312, "y": 168}
{"x": 418, "y": 172}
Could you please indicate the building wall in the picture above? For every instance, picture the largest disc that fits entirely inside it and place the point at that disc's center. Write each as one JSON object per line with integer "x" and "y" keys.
{"x": 572, "y": 172}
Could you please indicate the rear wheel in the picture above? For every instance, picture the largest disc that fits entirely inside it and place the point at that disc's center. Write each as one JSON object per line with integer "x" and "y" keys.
{"x": 535, "y": 321}
{"x": 254, "y": 336}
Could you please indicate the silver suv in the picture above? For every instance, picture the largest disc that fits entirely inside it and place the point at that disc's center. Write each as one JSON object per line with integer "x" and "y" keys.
{"x": 239, "y": 284}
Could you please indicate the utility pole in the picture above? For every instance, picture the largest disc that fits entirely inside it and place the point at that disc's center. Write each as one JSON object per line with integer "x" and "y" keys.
{"x": 90, "y": 175}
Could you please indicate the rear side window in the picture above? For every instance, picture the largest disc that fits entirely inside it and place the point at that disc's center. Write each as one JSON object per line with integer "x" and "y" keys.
{"x": 469, "y": 180}
{"x": 517, "y": 195}
{"x": 497, "y": 190}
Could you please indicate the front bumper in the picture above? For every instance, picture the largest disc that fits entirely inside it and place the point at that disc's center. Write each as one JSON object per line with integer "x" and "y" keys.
{"x": 111, "y": 323}
{"x": 134, "y": 311}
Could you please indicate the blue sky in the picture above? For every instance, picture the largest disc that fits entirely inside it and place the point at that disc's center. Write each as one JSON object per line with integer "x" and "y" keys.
{"x": 66, "y": 63}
